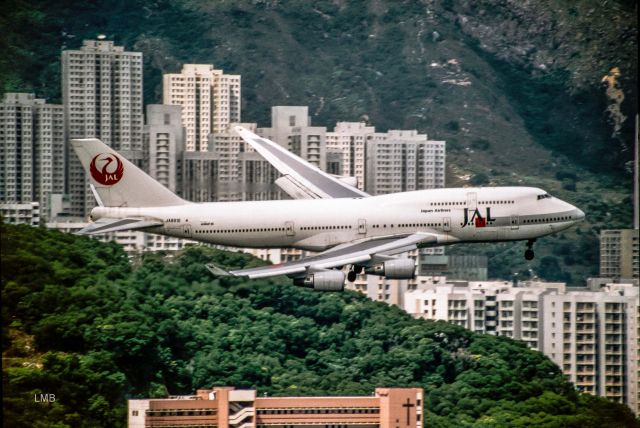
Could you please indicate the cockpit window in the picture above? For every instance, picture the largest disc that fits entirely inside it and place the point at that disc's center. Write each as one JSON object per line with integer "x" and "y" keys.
{"x": 544, "y": 196}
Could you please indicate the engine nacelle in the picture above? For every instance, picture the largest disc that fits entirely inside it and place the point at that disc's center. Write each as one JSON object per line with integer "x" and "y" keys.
{"x": 394, "y": 269}
{"x": 330, "y": 280}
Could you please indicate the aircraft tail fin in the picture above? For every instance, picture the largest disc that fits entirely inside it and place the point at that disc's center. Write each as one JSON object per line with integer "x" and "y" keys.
{"x": 117, "y": 182}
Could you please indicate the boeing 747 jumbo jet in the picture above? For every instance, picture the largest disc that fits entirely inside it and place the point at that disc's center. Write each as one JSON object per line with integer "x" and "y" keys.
{"x": 327, "y": 214}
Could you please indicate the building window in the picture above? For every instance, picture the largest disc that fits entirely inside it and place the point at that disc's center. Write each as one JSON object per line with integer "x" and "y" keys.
{"x": 134, "y": 413}
{"x": 292, "y": 121}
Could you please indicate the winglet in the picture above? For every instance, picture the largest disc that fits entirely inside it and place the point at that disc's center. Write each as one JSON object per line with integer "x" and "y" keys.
{"x": 216, "y": 271}
{"x": 304, "y": 180}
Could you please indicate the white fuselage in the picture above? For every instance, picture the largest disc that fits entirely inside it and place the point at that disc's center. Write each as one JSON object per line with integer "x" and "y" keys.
{"x": 454, "y": 215}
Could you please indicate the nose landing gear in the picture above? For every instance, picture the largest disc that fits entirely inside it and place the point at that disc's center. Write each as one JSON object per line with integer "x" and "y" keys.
{"x": 528, "y": 253}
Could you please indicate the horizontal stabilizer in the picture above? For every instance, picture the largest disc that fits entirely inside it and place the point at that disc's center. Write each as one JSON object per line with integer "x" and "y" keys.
{"x": 216, "y": 271}
{"x": 106, "y": 225}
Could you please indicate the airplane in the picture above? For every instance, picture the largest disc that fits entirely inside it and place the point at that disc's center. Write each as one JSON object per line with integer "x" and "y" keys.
{"x": 327, "y": 214}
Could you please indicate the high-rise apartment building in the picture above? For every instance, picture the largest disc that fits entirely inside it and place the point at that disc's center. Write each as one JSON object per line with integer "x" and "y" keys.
{"x": 346, "y": 145}
{"x": 489, "y": 307}
{"x": 228, "y": 171}
{"x": 620, "y": 253}
{"x": 199, "y": 176}
{"x": 308, "y": 142}
{"x": 32, "y": 145}
{"x": 386, "y": 162}
{"x": 226, "y": 407}
{"x": 591, "y": 332}
{"x": 209, "y": 98}
{"x": 463, "y": 267}
{"x": 283, "y": 120}
{"x": 394, "y": 161}
{"x": 258, "y": 177}
{"x": 17, "y": 213}
{"x": 291, "y": 128}
{"x": 164, "y": 144}
{"x": 593, "y": 336}
{"x": 102, "y": 98}
{"x": 402, "y": 161}
{"x": 381, "y": 289}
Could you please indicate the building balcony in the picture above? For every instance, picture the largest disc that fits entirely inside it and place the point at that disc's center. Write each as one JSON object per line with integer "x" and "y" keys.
{"x": 584, "y": 311}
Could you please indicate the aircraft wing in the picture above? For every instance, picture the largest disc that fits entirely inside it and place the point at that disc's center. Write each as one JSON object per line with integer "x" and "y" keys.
{"x": 354, "y": 252}
{"x": 300, "y": 179}
{"x": 105, "y": 225}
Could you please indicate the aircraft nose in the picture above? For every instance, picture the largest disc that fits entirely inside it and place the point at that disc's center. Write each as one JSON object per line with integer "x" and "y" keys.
{"x": 579, "y": 214}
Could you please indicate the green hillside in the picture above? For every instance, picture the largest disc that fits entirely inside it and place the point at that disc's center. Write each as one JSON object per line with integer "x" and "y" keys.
{"x": 515, "y": 88}
{"x": 81, "y": 322}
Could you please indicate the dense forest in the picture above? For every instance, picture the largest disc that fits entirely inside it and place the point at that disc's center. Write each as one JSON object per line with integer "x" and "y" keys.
{"x": 82, "y": 321}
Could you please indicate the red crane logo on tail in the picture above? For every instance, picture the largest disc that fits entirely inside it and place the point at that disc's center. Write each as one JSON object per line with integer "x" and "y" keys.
{"x": 108, "y": 174}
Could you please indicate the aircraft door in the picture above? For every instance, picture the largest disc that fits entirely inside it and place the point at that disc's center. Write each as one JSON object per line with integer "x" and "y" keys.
{"x": 362, "y": 226}
{"x": 289, "y": 228}
{"x": 472, "y": 201}
{"x": 446, "y": 223}
{"x": 515, "y": 222}
{"x": 186, "y": 230}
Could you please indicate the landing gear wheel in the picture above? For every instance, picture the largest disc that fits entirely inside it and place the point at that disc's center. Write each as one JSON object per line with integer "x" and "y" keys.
{"x": 351, "y": 276}
{"x": 529, "y": 254}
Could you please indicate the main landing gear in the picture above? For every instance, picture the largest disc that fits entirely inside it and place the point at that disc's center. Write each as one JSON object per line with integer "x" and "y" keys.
{"x": 353, "y": 272}
{"x": 528, "y": 253}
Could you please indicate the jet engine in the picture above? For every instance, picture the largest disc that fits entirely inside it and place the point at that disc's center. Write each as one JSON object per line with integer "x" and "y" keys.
{"x": 394, "y": 269}
{"x": 326, "y": 280}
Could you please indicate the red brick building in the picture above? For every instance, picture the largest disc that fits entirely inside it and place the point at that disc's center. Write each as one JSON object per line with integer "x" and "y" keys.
{"x": 224, "y": 407}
